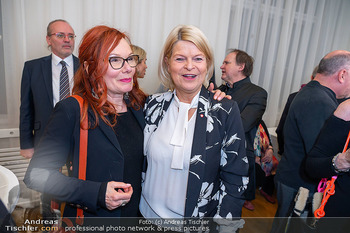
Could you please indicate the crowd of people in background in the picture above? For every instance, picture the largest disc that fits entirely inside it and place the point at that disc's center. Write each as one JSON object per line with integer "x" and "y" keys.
{"x": 189, "y": 152}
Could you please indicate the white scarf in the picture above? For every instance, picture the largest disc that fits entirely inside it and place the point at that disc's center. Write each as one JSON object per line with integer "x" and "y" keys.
{"x": 180, "y": 131}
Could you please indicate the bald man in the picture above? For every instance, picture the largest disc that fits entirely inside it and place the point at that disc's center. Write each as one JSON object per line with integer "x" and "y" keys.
{"x": 313, "y": 105}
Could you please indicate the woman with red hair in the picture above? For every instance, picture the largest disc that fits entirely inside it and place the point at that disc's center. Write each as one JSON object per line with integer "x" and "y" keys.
{"x": 113, "y": 106}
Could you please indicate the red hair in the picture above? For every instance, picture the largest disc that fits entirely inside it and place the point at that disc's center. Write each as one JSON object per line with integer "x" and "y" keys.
{"x": 95, "y": 48}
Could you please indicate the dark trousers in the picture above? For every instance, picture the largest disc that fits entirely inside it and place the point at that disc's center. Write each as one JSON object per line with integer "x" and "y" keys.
{"x": 265, "y": 182}
{"x": 285, "y": 199}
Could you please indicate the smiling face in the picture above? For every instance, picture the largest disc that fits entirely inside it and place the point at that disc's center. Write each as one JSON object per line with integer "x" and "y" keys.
{"x": 187, "y": 67}
{"x": 120, "y": 81}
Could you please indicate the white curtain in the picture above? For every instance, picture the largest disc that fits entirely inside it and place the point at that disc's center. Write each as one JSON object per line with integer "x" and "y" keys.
{"x": 286, "y": 38}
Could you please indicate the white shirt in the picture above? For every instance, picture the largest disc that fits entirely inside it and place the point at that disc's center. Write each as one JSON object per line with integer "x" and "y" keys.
{"x": 164, "y": 188}
{"x": 56, "y": 71}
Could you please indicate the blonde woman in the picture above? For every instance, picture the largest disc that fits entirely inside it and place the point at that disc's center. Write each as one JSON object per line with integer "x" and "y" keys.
{"x": 195, "y": 145}
{"x": 141, "y": 66}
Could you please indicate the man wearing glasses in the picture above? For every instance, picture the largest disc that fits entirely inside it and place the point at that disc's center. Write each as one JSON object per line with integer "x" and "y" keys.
{"x": 40, "y": 87}
{"x": 45, "y": 81}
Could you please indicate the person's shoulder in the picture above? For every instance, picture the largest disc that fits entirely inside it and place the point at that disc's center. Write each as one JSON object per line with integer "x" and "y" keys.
{"x": 40, "y": 59}
{"x": 37, "y": 60}
{"x": 292, "y": 95}
{"x": 223, "y": 87}
{"x": 254, "y": 88}
{"x": 70, "y": 104}
{"x": 225, "y": 103}
{"x": 223, "y": 109}
{"x": 259, "y": 89}
{"x": 257, "y": 92}
{"x": 313, "y": 101}
{"x": 160, "y": 96}
{"x": 315, "y": 93}
{"x": 75, "y": 59}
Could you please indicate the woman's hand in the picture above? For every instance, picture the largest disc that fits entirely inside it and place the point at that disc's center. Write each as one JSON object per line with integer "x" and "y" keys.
{"x": 268, "y": 156}
{"x": 117, "y": 194}
{"x": 342, "y": 162}
{"x": 219, "y": 95}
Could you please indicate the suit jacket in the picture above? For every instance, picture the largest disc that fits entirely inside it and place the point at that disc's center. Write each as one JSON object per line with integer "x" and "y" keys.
{"x": 216, "y": 181}
{"x": 105, "y": 160}
{"x": 280, "y": 127}
{"x": 310, "y": 109}
{"x": 251, "y": 100}
{"x": 36, "y": 99}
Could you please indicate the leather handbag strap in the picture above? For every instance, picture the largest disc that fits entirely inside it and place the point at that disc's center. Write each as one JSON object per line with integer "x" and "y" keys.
{"x": 82, "y": 153}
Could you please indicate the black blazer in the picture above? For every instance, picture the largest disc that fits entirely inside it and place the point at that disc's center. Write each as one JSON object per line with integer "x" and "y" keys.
{"x": 36, "y": 99}
{"x": 252, "y": 101}
{"x": 105, "y": 160}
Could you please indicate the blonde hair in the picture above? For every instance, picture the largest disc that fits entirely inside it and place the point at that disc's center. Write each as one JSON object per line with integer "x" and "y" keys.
{"x": 184, "y": 33}
{"x": 139, "y": 51}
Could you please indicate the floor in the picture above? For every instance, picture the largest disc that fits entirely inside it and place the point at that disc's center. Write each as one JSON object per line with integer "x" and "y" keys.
{"x": 260, "y": 219}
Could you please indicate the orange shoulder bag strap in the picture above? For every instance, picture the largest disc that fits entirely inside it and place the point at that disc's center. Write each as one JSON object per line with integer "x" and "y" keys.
{"x": 82, "y": 153}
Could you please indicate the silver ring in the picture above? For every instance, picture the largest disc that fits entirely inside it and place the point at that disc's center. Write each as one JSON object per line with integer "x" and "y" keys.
{"x": 123, "y": 203}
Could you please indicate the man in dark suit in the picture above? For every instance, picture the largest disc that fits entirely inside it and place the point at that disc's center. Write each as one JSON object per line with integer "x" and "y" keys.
{"x": 309, "y": 111}
{"x": 251, "y": 100}
{"x": 41, "y": 84}
{"x": 280, "y": 127}
{"x": 40, "y": 89}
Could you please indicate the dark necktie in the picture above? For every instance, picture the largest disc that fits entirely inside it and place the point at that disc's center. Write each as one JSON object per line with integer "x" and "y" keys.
{"x": 64, "y": 81}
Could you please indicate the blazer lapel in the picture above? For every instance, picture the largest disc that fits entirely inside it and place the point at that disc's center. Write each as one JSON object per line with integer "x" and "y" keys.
{"x": 47, "y": 76}
{"x": 75, "y": 63}
{"x": 140, "y": 117}
{"x": 198, "y": 154}
{"x": 109, "y": 133}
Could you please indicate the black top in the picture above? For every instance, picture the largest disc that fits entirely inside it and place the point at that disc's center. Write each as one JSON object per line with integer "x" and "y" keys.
{"x": 308, "y": 112}
{"x": 251, "y": 100}
{"x": 280, "y": 127}
{"x": 130, "y": 137}
{"x": 319, "y": 164}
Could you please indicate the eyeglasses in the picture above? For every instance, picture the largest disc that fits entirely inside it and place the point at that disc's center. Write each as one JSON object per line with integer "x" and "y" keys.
{"x": 61, "y": 36}
{"x": 118, "y": 62}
